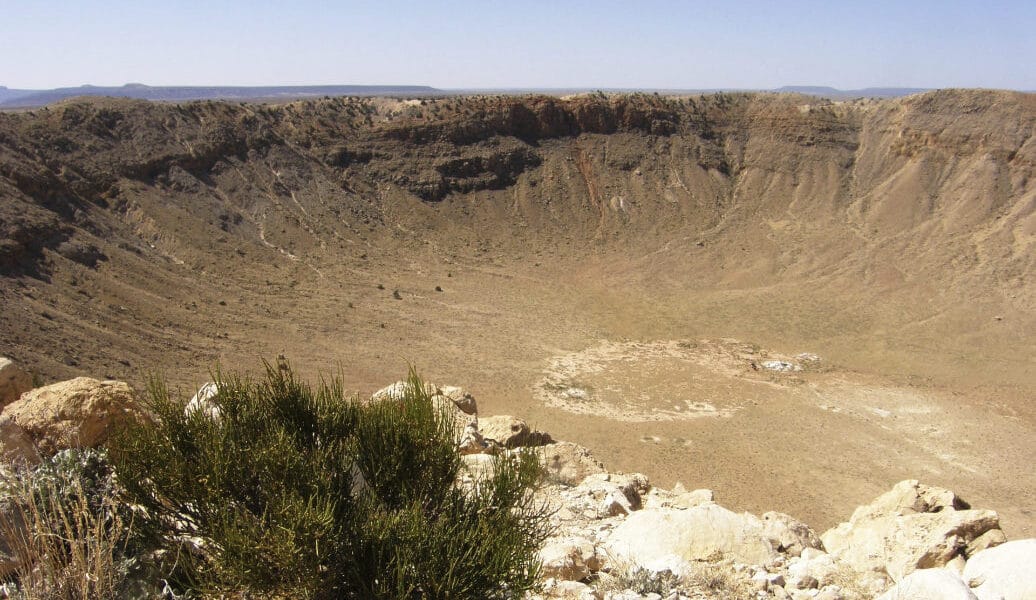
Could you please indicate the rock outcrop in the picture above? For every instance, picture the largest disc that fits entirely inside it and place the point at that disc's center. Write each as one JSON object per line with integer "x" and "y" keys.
{"x": 618, "y": 537}
{"x": 511, "y": 432}
{"x": 913, "y": 526}
{"x": 452, "y": 400}
{"x": 569, "y": 464}
{"x": 81, "y": 412}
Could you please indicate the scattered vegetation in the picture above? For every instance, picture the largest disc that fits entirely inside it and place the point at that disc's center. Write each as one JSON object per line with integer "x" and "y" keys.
{"x": 289, "y": 491}
{"x": 67, "y": 532}
{"x": 851, "y": 586}
{"x": 628, "y": 576}
{"x": 720, "y": 581}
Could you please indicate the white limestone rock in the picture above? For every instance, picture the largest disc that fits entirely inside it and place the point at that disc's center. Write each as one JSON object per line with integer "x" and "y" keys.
{"x": 1006, "y": 572}
{"x": 568, "y": 558}
{"x": 929, "y": 584}
{"x": 567, "y": 463}
{"x": 701, "y": 533}
{"x": 511, "y": 432}
{"x": 913, "y": 526}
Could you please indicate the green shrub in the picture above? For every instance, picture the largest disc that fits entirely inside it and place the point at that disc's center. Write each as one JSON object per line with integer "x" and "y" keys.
{"x": 298, "y": 492}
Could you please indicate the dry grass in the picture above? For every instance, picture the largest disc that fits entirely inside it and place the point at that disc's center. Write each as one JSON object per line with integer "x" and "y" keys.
{"x": 624, "y": 575}
{"x": 720, "y": 581}
{"x": 65, "y": 539}
{"x": 851, "y": 584}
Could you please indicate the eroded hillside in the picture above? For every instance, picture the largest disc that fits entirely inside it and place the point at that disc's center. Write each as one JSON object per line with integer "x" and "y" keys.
{"x": 648, "y": 248}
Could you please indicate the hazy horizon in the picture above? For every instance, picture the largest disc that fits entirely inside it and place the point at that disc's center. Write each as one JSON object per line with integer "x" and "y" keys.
{"x": 535, "y": 45}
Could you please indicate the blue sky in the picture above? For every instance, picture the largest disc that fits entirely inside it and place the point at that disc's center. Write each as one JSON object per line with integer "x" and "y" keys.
{"x": 516, "y": 44}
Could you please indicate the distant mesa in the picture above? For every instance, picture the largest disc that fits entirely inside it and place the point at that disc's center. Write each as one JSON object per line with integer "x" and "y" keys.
{"x": 871, "y": 92}
{"x": 15, "y": 98}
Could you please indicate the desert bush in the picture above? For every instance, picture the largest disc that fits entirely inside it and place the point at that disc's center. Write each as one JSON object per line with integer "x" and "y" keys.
{"x": 66, "y": 529}
{"x": 625, "y": 575}
{"x": 295, "y": 491}
{"x": 720, "y": 580}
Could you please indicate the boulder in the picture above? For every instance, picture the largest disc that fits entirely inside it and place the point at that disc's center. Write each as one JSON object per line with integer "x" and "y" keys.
{"x": 1006, "y": 572}
{"x": 13, "y": 381}
{"x": 989, "y": 539}
{"x": 451, "y": 400}
{"x": 814, "y": 564}
{"x": 16, "y": 446}
{"x": 203, "y": 402}
{"x": 789, "y": 535}
{"x": 568, "y": 558}
{"x": 649, "y": 538}
{"x": 460, "y": 398}
{"x": 470, "y": 441}
{"x": 511, "y": 432}
{"x": 77, "y": 413}
{"x": 929, "y": 584}
{"x": 398, "y": 390}
{"x": 567, "y": 463}
{"x": 912, "y": 526}
{"x": 626, "y": 489}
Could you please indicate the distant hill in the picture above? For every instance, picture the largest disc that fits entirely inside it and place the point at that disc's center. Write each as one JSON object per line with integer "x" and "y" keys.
{"x": 11, "y": 98}
{"x": 15, "y": 98}
{"x": 830, "y": 92}
{"x": 7, "y": 94}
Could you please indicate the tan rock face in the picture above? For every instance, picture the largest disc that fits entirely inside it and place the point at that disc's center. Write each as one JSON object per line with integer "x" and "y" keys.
{"x": 80, "y": 412}
{"x": 460, "y": 398}
{"x": 568, "y": 464}
{"x": 568, "y": 558}
{"x": 913, "y": 526}
{"x": 511, "y": 432}
{"x": 788, "y": 534}
{"x": 15, "y": 444}
{"x": 13, "y": 381}
{"x": 989, "y": 539}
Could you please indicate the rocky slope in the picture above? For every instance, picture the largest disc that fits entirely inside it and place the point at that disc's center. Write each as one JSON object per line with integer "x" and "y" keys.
{"x": 618, "y": 537}
{"x": 930, "y": 191}
{"x": 504, "y": 240}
